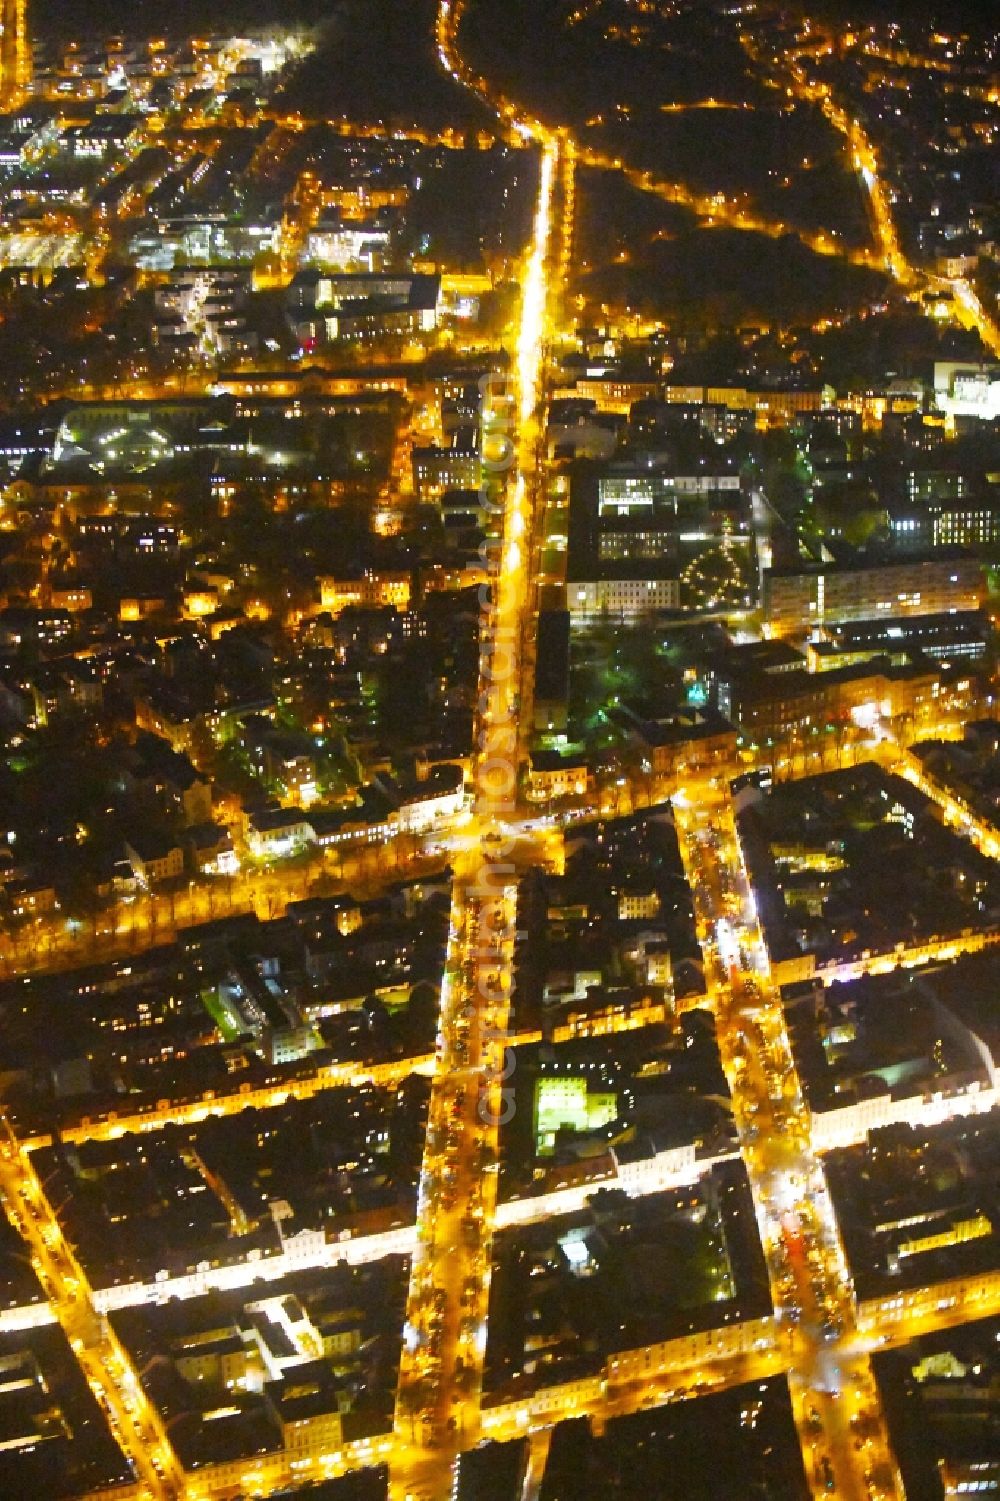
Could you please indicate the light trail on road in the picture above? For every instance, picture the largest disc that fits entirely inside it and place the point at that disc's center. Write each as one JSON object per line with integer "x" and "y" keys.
{"x": 531, "y": 334}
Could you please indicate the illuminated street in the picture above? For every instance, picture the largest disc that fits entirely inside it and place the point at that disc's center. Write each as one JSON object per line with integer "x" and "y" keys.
{"x": 445, "y": 1332}
{"x": 105, "y": 1365}
{"x": 889, "y": 255}
{"x": 810, "y": 1281}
